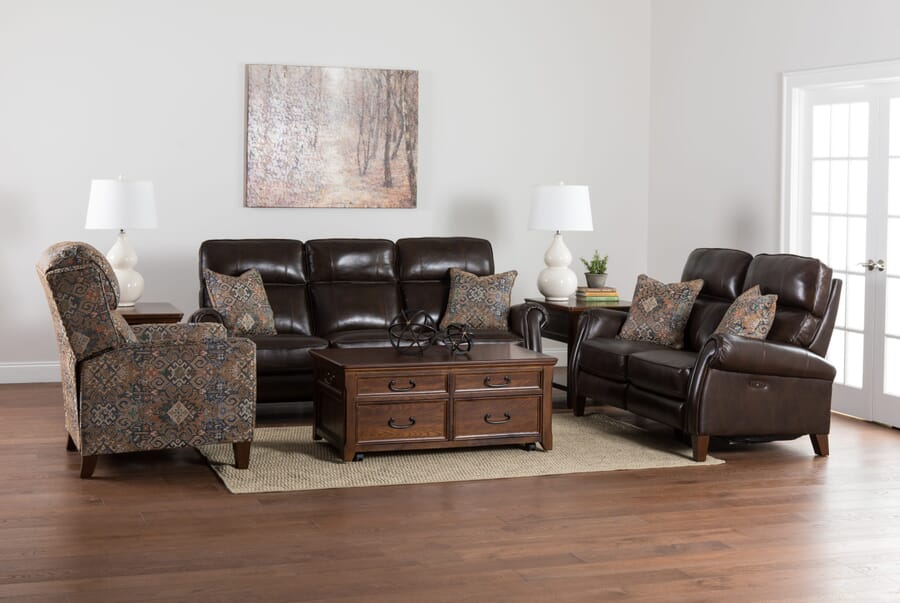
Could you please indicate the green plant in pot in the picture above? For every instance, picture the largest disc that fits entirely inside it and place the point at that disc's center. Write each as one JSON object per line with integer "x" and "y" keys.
{"x": 596, "y": 270}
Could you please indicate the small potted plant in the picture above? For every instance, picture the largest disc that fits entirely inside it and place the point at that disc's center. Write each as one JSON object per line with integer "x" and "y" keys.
{"x": 596, "y": 270}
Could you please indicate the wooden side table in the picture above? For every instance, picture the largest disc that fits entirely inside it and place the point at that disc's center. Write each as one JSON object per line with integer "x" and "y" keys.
{"x": 143, "y": 313}
{"x": 562, "y": 324}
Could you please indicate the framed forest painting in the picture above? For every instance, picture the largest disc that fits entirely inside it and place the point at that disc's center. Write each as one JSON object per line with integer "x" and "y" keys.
{"x": 331, "y": 137}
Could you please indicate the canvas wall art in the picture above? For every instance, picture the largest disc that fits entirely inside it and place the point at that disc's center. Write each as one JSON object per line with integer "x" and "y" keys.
{"x": 331, "y": 137}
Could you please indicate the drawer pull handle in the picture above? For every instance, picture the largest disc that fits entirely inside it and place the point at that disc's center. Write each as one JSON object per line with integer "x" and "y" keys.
{"x": 393, "y": 386}
{"x": 394, "y": 425}
{"x": 506, "y": 382}
{"x": 329, "y": 378}
{"x": 506, "y": 419}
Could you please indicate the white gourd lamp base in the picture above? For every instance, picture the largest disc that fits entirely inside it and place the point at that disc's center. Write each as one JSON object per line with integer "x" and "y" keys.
{"x": 557, "y": 282}
{"x": 123, "y": 259}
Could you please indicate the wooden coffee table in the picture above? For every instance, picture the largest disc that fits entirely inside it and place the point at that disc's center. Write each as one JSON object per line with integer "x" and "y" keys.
{"x": 376, "y": 399}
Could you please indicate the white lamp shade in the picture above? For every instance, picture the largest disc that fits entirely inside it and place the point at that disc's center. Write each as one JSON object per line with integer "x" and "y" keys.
{"x": 561, "y": 207}
{"x": 121, "y": 205}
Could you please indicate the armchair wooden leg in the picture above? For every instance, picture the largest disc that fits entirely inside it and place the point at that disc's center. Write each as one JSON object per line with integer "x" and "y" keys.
{"x": 819, "y": 443}
{"x": 88, "y": 464}
{"x": 70, "y": 444}
{"x": 578, "y": 408}
{"x": 700, "y": 444}
{"x": 241, "y": 454}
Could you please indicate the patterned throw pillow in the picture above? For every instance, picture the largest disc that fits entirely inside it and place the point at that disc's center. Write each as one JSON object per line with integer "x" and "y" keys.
{"x": 659, "y": 312}
{"x": 242, "y": 301}
{"x": 480, "y": 301}
{"x": 750, "y": 315}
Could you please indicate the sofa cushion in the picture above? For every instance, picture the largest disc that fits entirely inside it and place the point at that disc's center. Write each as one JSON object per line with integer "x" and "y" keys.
{"x": 276, "y": 354}
{"x": 802, "y": 285}
{"x": 659, "y": 312}
{"x": 360, "y": 338}
{"x": 424, "y": 269}
{"x": 722, "y": 270}
{"x": 750, "y": 315}
{"x": 242, "y": 302}
{"x": 666, "y": 372}
{"x": 609, "y": 357}
{"x": 479, "y": 301}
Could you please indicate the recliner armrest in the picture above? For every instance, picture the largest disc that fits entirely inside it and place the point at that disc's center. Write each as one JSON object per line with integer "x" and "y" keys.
{"x": 597, "y": 322}
{"x": 178, "y": 333}
{"x": 526, "y": 320}
{"x": 742, "y": 355}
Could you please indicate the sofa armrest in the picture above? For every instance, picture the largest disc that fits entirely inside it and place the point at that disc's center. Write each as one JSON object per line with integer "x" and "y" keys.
{"x": 755, "y": 357}
{"x": 178, "y": 333}
{"x": 147, "y": 396}
{"x": 597, "y": 322}
{"x": 206, "y": 315}
{"x": 526, "y": 320}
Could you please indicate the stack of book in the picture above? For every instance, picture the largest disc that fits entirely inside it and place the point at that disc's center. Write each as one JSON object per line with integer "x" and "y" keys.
{"x": 597, "y": 294}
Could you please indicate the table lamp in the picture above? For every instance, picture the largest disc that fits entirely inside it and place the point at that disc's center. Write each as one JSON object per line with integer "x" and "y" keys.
{"x": 122, "y": 205}
{"x": 559, "y": 207}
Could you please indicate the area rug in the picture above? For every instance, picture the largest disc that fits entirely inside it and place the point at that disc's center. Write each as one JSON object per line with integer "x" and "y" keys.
{"x": 287, "y": 458}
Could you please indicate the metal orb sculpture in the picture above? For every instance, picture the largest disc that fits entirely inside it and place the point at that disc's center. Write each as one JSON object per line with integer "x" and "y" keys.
{"x": 412, "y": 332}
{"x": 457, "y": 337}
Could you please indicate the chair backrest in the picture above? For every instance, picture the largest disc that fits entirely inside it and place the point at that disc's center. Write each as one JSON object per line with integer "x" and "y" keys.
{"x": 82, "y": 292}
{"x": 424, "y": 267}
{"x": 282, "y": 265}
{"x": 803, "y": 286}
{"x": 723, "y": 272}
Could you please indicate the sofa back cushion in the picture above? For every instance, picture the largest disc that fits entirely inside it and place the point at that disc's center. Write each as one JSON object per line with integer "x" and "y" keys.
{"x": 280, "y": 263}
{"x": 723, "y": 272}
{"x": 802, "y": 285}
{"x": 424, "y": 269}
{"x": 353, "y": 283}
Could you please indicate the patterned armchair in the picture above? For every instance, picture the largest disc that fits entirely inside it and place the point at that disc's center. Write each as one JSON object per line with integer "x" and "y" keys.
{"x": 147, "y": 388}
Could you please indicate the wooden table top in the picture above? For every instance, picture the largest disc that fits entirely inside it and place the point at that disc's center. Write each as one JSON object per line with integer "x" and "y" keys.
{"x": 577, "y": 306}
{"x": 436, "y": 355}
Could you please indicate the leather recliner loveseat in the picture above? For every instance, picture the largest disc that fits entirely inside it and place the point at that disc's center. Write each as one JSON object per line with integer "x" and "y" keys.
{"x": 344, "y": 293}
{"x": 722, "y": 385}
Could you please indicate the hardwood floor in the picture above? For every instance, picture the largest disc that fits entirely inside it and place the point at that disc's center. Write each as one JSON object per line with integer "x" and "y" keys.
{"x": 773, "y": 523}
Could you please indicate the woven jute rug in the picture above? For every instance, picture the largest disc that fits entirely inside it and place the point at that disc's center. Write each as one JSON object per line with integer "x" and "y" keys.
{"x": 287, "y": 458}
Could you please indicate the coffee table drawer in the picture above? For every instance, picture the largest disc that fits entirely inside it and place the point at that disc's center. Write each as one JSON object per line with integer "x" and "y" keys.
{"x": 392, "y": 422}
{"x": 497, "y": 416}
{"x": 498, "y": 381}
{"x": 402, "y": 384}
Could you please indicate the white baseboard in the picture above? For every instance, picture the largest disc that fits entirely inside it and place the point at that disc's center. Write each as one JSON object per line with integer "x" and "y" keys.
{"x": 29, "y": 372}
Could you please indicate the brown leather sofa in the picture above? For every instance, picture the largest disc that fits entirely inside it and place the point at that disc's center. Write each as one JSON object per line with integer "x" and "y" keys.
{"x": 344, "y": 293}
{"x": 722, "y": 385}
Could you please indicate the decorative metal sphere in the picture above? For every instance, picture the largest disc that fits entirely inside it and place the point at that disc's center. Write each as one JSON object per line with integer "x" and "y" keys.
{"x": 412, "y": 332}
{"x": 457, "y": 337}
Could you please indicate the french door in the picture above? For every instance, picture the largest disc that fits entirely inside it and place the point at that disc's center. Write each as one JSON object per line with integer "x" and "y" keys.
{"x": 846, "y": 179}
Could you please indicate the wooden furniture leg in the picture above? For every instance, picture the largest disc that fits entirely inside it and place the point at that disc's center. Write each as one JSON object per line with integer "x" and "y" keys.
{"x": 819, "y": 443}
{"x": 70, "y": 444}
{"x": 578, "y": 410}
{"x": 241, "y": 454}
{"x": 88, "y": 464}
{"x": 700, "y": 444}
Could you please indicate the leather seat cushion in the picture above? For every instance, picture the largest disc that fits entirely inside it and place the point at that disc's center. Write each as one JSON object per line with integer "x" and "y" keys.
{"x": 285, "y": 353}
{"x": 360, "y": 338}
{"x": 665, "y": 372}
{"x": 607, "y": 357}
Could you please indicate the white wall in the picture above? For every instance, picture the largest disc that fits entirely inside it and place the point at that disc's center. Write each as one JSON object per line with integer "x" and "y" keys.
{"x": 715, "y": 110}
{"x": 512, "y": 94}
